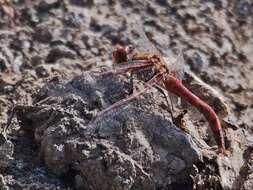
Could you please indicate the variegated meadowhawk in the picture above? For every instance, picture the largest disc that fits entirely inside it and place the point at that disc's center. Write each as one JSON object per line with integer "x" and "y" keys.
{"x": 166, "y": 76}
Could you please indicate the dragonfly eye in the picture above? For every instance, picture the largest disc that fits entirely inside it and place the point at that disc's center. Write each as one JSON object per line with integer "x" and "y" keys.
{"x": 119, "y": 55}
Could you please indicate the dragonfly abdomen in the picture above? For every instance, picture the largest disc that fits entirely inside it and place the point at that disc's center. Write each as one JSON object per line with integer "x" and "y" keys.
{"x": 175, "y": 86}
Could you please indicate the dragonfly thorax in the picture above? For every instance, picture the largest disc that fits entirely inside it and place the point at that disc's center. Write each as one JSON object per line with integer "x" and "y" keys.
{"x": 158, "y": 63}
{"x": 153, "y": 58}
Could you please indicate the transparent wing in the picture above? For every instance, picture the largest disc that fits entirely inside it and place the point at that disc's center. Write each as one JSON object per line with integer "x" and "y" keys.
{"x": 125, "y": 67}
{"x": 174, "y": 55}
{"x": 175, "y": 62}
{"x": 142, "y": 42}
{"x": 148, "y": 85}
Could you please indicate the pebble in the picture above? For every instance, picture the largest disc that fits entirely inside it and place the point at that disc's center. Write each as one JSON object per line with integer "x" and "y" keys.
{"x": 243, "y": 8}
{"x": 60, "y": 52}
{"x": 3, "y": 64}
{"x": 43, "y": 34}
{"x": 82, "y": 2}
{"x": 46, "y": 5}
{"x": 72, "y": 20}
{"x": 37, "y": 60}
{"x": 95, "y": 25}
{"x": 29, "y": 15}
{"x": 162, "y": 2}
{"x": 42, "y": 71}
{"x": 195, "y": 59}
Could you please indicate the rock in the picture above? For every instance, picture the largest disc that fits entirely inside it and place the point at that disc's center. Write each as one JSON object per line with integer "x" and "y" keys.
{"x": 6, "y": 152}
{"x": 248, "y": 184}
{"x": 3, "y": 185}
{"x": 219, "y": 4}
{"x": 17, "y": 64}
{"x": 162, "y": 2}
{"x": 151, "y": 10}
{"x": 235, "y": 170}
{"x": 3, "y": 64}
{"x": 196, "y": 60}
{"x": 29, "y": 15}
{"x": 217, "y": 30}
{"x": 95, "y": 25}
{"x": 7, "y": 88}
{"x": 79, "y": 182}
{"x": 243, "y": 8}
{"x": 8, "y": 79}
{"x": 82, "y": 2}
{"x": 110, "y": 33}
{"x": 72, "y": 20}
{"x": 42, "y": 70}
{"x": 133, "y": 146}
{"x": 59, "y": 52}
{"x": 43, "y": 34}
{"x": 37, "y": 60}
{"x": 206, "y": 93}
{"x": 46, "y": 5}
{"x": 6, "y": 58}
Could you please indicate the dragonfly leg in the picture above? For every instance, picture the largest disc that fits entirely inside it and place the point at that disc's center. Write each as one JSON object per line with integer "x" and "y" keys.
{"x": 162, "y": 90}
{"x": 169, "y": 104}
{"x": 150, "y": 83}
{"x": 170, "y": 107}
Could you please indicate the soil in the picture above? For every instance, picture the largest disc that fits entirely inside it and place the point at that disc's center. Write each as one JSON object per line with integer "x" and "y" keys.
{"x": 50, "y": 42}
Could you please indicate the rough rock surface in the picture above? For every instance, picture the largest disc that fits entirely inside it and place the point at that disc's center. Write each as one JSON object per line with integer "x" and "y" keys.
{"x": 133, "y": 146}
{"x": 6, "y": 152}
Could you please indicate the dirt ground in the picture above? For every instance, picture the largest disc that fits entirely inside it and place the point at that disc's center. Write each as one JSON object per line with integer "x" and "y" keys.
{"x": 45, "y": 38}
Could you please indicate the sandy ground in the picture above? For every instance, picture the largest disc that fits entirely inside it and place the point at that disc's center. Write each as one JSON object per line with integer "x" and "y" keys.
{"x": 67, "y": 37}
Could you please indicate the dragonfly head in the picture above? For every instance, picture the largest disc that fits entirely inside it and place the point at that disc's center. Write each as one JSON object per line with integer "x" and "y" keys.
{"x": 119, "y": 55}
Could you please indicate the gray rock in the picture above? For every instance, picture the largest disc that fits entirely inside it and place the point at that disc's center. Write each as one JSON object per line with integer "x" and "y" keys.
{"x": 133, "y": 146}
{"x": 43, "y": 34}
{"x": 42, "y": 70}
{"x": 3, "y": 64}
{"x": 196, "y": 60}
{"x": 59, "y": 52}
{"x": 243, "y": 8}
{"x": 6, "y": 152}
{"x": 82, "y": 2}
{"x": 72, "y": 20}
{"x": 235, "y": 171}
{"x": 46, "y": 5}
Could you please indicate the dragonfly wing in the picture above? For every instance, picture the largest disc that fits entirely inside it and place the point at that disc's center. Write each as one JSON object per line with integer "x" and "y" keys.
{"x": 126, "y": 66}
{"x": 175, "y": 62}
{"x": 149, "y": 85}
{"x": 142, "y": 42}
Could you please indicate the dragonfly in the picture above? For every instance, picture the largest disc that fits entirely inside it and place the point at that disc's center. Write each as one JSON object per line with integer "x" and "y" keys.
{"x": 167, "y": 76}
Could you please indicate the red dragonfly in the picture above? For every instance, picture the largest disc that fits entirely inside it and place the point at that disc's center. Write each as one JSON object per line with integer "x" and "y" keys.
{"x": 166, "y": 77}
